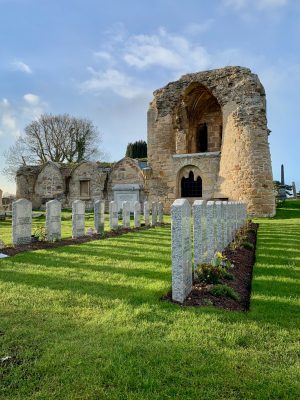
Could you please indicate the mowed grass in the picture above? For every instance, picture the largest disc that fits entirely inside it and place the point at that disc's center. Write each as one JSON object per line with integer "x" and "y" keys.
{"x": 66, "y": 224}
{"x": 87, "y": 322}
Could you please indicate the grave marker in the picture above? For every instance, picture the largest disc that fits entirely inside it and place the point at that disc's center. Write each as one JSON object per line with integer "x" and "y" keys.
{"x": 181, "y": 250}
{"x": 78, "y": 219}
{"x": 99, "y": 208}
{"x": 53, "y": 220}
{"x": 21, "y": 222}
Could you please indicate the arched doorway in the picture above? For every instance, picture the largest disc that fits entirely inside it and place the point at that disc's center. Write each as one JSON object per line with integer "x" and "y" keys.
{"x": 191, "y": 187}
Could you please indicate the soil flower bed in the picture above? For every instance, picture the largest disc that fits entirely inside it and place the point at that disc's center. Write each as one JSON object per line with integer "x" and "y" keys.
{"x": 243, "y": 260}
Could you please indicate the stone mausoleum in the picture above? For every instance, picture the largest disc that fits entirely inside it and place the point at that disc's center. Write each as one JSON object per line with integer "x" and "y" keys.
{"x": 207, "y": 139}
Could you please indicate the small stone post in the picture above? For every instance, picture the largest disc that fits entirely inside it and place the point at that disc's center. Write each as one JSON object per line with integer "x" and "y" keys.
{"x": 210, "y": 234}
{"x": 137, "y": 214}
{"x": 126, "y": 214}
{"x": 113, "y": 215}
{"x": 154, "y": 214}
{"x": 182, "y": 279}
{"x": 146, "y": 213}
{"x": 99, "y": 208}
{"x": 78, "y": 219}
{"x": 160, "y": 207}
{"x": 53, "y": 220}
{"x": 199, "y": 213}
{"x": 21, "y": 222}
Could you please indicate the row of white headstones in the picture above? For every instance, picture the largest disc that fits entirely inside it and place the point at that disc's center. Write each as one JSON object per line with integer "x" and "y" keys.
{"x": 22, "y": 218}
{"x": 215, "y": 224}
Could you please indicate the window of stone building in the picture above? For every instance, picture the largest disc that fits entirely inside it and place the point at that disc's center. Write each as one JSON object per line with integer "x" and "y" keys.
{"x": 202, "y": 138}
{"x": 191, "y": 187}
{"x": 84, "y": 188}
{"x": 67, "y": 185}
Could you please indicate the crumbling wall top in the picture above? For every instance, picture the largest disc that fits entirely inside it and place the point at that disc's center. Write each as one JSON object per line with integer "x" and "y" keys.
{"x": 229, "y": 84}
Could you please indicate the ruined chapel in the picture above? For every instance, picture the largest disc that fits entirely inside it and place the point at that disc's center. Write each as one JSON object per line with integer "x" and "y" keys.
{"x": 207, "y": 139}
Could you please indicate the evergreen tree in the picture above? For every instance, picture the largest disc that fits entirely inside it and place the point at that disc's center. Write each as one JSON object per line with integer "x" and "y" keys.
{"x": 137, "y": 149}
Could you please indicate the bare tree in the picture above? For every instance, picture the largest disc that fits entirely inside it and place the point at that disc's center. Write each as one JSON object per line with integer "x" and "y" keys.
{"x": 58, "y": 138}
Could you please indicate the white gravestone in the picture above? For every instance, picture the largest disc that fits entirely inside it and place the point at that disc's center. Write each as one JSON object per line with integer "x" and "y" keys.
{"x": 99, "y": 208}
{"x": 229, "y": 221}
{"x": 146, "y": 213}
{"x": 21, "y": 222}
{"x": 218, "y": 226}
{"x": 78, "y": 219}
{"x": 210, "y": 231}
{"x": 233, "y": 208}
{"x": 137, "y": 214}
{"x": 160, "y": 212}
{"x": 182, "y": 279}
{"x": 126, "y": 214}
{"x": 224, "y": 224}
{"x": 113, "y": 215}
{"x": 199, "y": 213}
{"x": 154, "y": 214}
{"x": 53, "y": 220}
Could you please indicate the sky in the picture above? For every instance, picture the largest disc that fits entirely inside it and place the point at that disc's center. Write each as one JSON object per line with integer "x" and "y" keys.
{"x": 102, "y": 60}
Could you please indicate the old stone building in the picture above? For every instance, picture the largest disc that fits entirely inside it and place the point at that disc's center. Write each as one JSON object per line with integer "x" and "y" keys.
{"x": 207, "y": 138}
{"x": 87, "y": 181}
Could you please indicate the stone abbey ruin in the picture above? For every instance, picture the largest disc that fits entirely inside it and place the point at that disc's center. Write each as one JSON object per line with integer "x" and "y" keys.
{"x": 207, "y": 139}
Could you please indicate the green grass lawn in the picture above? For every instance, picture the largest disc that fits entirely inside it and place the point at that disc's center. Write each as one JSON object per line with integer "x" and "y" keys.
{"x": 86, "y": 322}
{"x": 66, "y": 226}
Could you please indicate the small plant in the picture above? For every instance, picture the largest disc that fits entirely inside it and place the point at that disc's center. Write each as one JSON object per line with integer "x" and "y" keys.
{"x": 247, "y": 245}
{"x": 39, "y": 234}
{"x": 227, "y": 275}
{"x": 224, "y": 291}
{"x": 219, "y": 260}
{"x": 217, "y": 269}
{"x": 208, "y": 273}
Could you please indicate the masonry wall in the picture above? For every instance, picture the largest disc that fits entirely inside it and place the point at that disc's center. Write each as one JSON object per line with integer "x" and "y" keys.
{"x": 245, "y": 171}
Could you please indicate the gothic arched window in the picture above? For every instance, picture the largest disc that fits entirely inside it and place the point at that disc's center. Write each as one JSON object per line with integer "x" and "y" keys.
{"x": 191, "y": 187}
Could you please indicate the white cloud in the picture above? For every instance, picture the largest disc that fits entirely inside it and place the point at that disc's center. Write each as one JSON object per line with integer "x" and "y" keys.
{"x": 104, "y": 55}
{"x": 31, "y": 98}
{"x": 14, "y": 117}
{"x": 8, "y": 120}
{"x": 259, "y": 4}
{"x": 21, "y": 66}
{"x": 197, "y": 28}
{"x": 165, "y": 50}
{"x": 111, "y": 79}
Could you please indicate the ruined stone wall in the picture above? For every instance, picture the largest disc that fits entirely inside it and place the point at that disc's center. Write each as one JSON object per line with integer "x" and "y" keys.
{"x": 49, "y": 184}
{"x": 87, "y": 171}
{"x": 245, "y": 165}
{"x": 25, "y": 184}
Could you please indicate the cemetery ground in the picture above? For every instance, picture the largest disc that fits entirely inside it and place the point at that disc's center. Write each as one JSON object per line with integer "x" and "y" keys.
{"x": 86, "y": 322}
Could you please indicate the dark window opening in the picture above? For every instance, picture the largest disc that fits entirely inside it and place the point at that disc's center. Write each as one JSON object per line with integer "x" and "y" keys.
{"x": 202, "y": 139}
{"x": 67, "y": 185}
{"x": 191, "y": 187}
{"x": 221, "y": 134}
